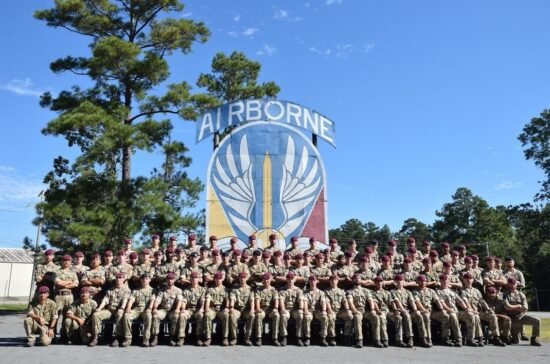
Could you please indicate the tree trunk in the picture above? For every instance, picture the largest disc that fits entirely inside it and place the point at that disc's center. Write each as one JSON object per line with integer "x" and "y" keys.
{"x": 126, "y": 162}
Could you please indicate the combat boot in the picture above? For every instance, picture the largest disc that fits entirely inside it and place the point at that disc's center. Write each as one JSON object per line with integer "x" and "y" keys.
{"x": 400, "y": 344}
{"x": 233, "y": 342}
{"x": 276, "y": 342}
{"x": 225, "y": 342}
{"x": 172, "y": 342}
{"x": 258, "y": 342}
{"x": 430, "y": 343}
{"x": 524, "y": 337}
{"x": 145, "y": 343}
{"x": 29, "y": 343}
{"x": 154, "y": 341}
{"x": 126, "y": 343}
{"x": 247, "y": 341}
{"x": 458, "y": 343}
{"x": 497, "y": 342}
{"x": 447, "y": 341}
{"x": 358, "y": 344}
{"x": 471, "y": 343}
{"x": 377, "y": 344}
{"x": 306, "y": 341}
{"x": 385, "y": 343}
{"x": 424, "y": 342}
{"x": 114, "y": 344}
{"x": 299, "y": 342}
{"x": 180, "y": 341}
{"x": 200, "y": 342}
{"x": 480, "y": 342}
{"x": 283, "y": 341}
{"x": 332, "y": 341}
{"x": 93, "y": 342}
{"x": 535, "y": 341}
{"x": 324, "y": 342}
{"x": 207, "y": 342}
{"x": 410, "y": 342}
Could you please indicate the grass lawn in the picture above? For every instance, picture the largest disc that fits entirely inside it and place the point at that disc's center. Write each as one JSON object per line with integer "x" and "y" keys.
{"x": 544, "y": 330}
{"x": 15, "y": 308}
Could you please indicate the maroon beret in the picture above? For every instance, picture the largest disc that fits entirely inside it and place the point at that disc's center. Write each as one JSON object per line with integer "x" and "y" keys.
{"x": 348, "y": 254}
{"x": 445, "y": 244}
{"x": 455, "y": 253}
{"x": 426, "y": 243}
{"x": 66, "y": 257}
{"x": 169, "y": 250}
{"x": 312, "y": 240}
{"x": 399, "y": 277}
{"x": 173, "y": 238}
{"x": 43, "y": 289}
{"x": 446, "y": 264}
{"x": 489, "y": 258}
{"x": 312, "y": 277}
{"x": 266, "y": 276}
{"x": 107, "y": 253}
{"x": 233, "y": 240}
{"x": 245, "y": 254}
{"x": 191, "y": 237}
{"x": 78, "y": 254}
{"x": 215, "y": 252}
{"x": 333, "y": 241}
{"x": 410, "y": 240}
{"x": 364, "y": 259}
{"x": 474, "y": 257}
{"x": 218, "y": 275}
{"x": 512, "y": 280}
{"x": 171, "y": 275}
{"x": 378, "y": 279}
{"x": 412, "y": 250}
{"x": 146, "y": 251}
{"x": 127, "y": 241}
{"x": 467, "y": 259}
{"x": 252, "y": 237}
{"x": 467, "y": 275}
{"x": 433, "y": 253}
{"x": 94, "y": 255}
{"x": 368, "y": 250}
{"x": 179, "y": 249}
{"x": 426, "y": 260}
{"x": 462, "y": 247}
{"x": 121, "y": 252}
{"x": 491, "y": 290}
{"x": 158, "y": 253}
{"x": 392, "y": 243}
{"x": 319, "y": 255}
{"x": 133, "y": 255}
{"x": 443, "y": 277}
{"x": 266, "y": 254}
{"x": 421, "y": 278}
{"x": 195, "y": 274}
{"x": 155, "y": 236}
{"x": 277, "y": 253}
{"x": 49, "y": 252}
{"x": 407, "y": 260}
{"x": 385, "y": 258}
{"x": 298, "y": 257}
{"x": 243, "y": 275}
{"x": 85, "y": 290}
{"x": 121, "y": 275}
{"x": 290, "y": 275}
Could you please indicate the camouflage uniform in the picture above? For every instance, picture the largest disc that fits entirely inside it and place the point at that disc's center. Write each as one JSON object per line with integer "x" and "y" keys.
{"x": 167, "y": 300}
{"x": 193, "y": 299}
{"x": 428, "y": 298}
{"x": 314, "y": 301}
{"x": 98, "y": 272}
{"x": 360, "y": 297}
{"x": 266, "y": 298}
{"x": 142, "y": 299}
{"x": 114, "y": 303}
{"x": 406, "y": 299}
{"x": 336, "y": 297}
{"x": 217, "y": 297}
{"x": 521, "y": 318}
{"x": 496, "y": 306}
{"x": 48, "y": 311}
{"x": 241, "y": 298}
{"x": 64, "y": 296}
{"x": 84, "y": 311}
{"x": 382, "y": 298}
{"x": 449, "y": 320}
{"x": 474, "y": 298}
{"x": 291, "y": 298}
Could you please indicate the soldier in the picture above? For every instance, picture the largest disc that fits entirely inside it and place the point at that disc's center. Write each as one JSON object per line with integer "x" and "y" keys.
{"x": 337, "y": 307}
{"x": 427, "y": 271}
{"x": 213, "y": 242}
{"x": 411, "y": 244}
{"x": 266, "y": 305}
{"x": 180, "y": 258}
{"x": 158, "y": 269}
{"x": 409, "y": 275}
{"x": 511, "y": 271}
{"x": 462, "y": 253}
{"x": 44, "y": 274}
{"x": 192, "y": 305}
{"x": 256, "y": 267}
{"x": 235, "y": 268}
{"x": 168, "y": 303}
{"x": 345, "y": 269}
{"x": 492, "y": 277}
{"x": 456, "y": 264}
{"x": 416, "y": 263}
{"x": 426, "y": 248}
{"x": 215, "y": 304}
{"x": 328, "y": 261}
{"x": 171, "y": 264}
{"x": 127, "y": 247}
{"x": 204, "y": 257}
{"x": 277, "y": 269}
{"x": 155, "y": 246}
{"x": 192, "y": 266}
{"x": 78, "y": 323}
{"x": 241, "y": 303}
{"x": 41, "y": 318}
{"x": 386, "y": 272}
{"x": 374, "y": 255}
{"x": 78, "y": 267}
{"x": 352, "y": 248}
{"x": 475, "y": 265}
{"x": 294, "y": 250}
{"x": 321, "y": 270}
{"x": 474, "y": 298}
{"x": 232, "y": 246}
{"x": 112, "y": 305}
{"x": 133, "y": 259}
{"x": 314, "y": 307}
{"x": 146, "y": 266}
{"x": 360, "y": 301}
{"x": 437, "y": 265}
{"x": 468, "y": 268}
{"x": 496, "y": 306}
{"x": 121, "y": 266}
{"x": 425, "y": 300}
{"x": 107, "y": 261}
{"x": 334, "y": 249}
{"x": 312, "y": 247}
{"x": 214, "y": 267}
{"x": 397, "y": 257}
{"x": 445, "y": 252}
{"x": 291, "y": 304}
{"x": 448, "y": 316}
{"x": 252, "y": 247}
{"x": 192, "y": 246}
{"x": 65, "y": 281}
{"x": 472, "y": 305}
{"x": 516, "y": 307}
{"x": 453, "y": 280}
{"x": 172, "y": 243}
{"x": 94, "y": 278}
{"x": 366, "y": 276}
{"x": 404, "y": 306}
{"x": 140, "y": 304}
{"x": 381, "y": 301}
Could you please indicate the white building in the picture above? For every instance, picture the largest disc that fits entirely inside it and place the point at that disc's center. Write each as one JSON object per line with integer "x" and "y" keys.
{"x": 15, "y": 274}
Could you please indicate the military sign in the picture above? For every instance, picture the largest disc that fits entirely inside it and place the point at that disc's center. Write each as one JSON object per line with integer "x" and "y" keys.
{"x": 266, "y": 177}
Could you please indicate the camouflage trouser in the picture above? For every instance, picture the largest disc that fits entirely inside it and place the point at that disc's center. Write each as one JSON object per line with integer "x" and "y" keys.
{"x": 423, "y": 324}
{"x": 504, "y": 325}
{"x": 384, "y": 326}
{"x": 397, "y": 321}
{"x": 209, "y": 316}
{"x": 358, "y": 325}
{"x": 518, "y": 322}
{"x": 63, "y": 303}
{"x": 234, "y": 316}
{"x": 375, "y": 322}
{"x": 72, "y": 329}
{"x": 492, "y": 320}
{"x": 331, "y": 323}
{"x": 471, "y": 321}
{"x": 297, "y": 315}
{"x": 175, "y": 328}
{"x": 199, "y": 320}
{"x": 306, "y": 323}
{"x": 147, "y": 318}
{"x": 97, "y": 317}
{"x": 32, "y": 328}
{"x": 274, "y": 322}
{"x": 449, "y": 324}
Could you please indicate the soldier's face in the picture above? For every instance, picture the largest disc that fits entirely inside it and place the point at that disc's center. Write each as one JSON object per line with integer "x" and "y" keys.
{"x": 48, "y": 258}
{"x": 65, "y": 263}
{"x": 42, "y": 296}
{"x": 468, "y": 282}
{"x": 120, "y": 281}
{"x": 490, "y": 264}
{"x": 108, "y": 258}
{"x": 94, "y": 262}
{"x": 84, "y": 296}
{"x": 313, "y": 283}
{"x": 145, "y": 281}
{"x": 121, "y": 259}
{"x": 510, "y": 264}
{"x": 421, "y": 284}
{"x": 493, "y": 295}
{"x": 443, "y": 283}
{"x": 156, "y": 241}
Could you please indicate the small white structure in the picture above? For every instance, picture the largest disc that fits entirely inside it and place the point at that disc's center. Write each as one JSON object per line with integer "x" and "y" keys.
{"x": 15, "y": 274}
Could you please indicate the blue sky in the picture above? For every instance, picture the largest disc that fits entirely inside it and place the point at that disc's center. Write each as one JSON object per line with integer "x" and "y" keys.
{"x": 427, "y": 96}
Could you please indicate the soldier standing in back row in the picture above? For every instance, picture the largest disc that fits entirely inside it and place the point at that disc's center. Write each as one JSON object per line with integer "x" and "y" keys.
{"x": 45, "y": 273}
{"x": 65, "y": 281}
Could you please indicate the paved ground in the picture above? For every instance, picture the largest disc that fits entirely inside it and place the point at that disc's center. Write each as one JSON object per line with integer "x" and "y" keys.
{"x": 13, "y": 352}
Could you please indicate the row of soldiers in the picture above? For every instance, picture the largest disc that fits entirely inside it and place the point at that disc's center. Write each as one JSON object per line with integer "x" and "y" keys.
{"x": 205, "y": 283}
